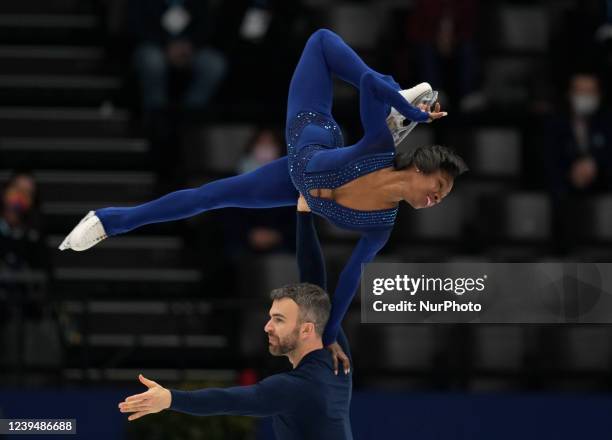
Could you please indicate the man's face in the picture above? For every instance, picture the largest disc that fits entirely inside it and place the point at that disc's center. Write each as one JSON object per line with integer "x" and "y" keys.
{"x": 283, "y": 329}
{"x": 427, "y": 190}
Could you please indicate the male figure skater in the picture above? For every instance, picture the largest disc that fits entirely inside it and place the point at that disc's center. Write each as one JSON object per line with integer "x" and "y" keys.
{"x": 309, "y": 402}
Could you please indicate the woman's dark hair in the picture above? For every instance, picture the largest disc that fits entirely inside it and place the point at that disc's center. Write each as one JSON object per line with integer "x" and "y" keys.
{"x": 430, "y": 159}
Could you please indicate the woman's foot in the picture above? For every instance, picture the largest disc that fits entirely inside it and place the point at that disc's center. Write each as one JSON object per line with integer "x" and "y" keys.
{"x": 86, "y": 234}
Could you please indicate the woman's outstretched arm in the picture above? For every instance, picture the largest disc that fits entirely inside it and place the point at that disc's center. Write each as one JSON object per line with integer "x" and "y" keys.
{"x": 311, "y": 265}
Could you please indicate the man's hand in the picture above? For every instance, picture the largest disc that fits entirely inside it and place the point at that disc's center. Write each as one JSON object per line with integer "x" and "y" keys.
{"x": 154, "y": 400}
{"x": 302, "y": 206}
{"x": 339, "y": 355}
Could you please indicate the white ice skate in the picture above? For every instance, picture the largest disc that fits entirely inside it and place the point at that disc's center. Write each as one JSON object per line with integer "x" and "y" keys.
{"x": 86, "y": 234}
{"x": 420, "y": 94}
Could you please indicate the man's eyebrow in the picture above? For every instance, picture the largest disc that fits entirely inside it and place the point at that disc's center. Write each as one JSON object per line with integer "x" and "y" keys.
{"x": 277, "y": 315}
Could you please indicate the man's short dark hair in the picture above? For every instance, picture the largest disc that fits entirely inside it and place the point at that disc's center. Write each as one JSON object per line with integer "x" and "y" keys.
{"x": 313, "y": 303}
{"x": 430, "y": 159}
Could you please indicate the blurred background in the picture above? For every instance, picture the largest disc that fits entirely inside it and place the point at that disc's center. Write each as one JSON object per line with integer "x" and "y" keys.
{"x": 114, "y": 102}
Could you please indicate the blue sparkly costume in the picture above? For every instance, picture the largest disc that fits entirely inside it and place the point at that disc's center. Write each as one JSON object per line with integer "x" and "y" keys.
{"x": 316, "y": 159}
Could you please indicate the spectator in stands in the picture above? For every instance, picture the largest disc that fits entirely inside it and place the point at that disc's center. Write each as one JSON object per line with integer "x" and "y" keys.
{"x": 171, "y": 39}
{"x": 578, "y": 154}
{"x": 583, "y": 31}
{"x": 267, "y": 230}
{"x": 264, "y": 146}
{"x": 579, "y": 142}
{"x": 22, "y": 248}
{"x": 444, "y": 35}
{"x": 21, "y": 244}
{"x": 173, "y": 34}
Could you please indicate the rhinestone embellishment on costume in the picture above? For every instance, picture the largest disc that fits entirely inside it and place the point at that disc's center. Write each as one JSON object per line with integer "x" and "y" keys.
{"x": 304, "y": 181}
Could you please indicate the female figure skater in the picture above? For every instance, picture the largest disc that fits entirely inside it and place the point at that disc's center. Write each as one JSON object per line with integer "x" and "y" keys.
{"x": 357, "y": 187}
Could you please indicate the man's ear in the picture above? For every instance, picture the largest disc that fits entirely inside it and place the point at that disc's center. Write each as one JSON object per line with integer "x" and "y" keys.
{"x": 308, "y": 328}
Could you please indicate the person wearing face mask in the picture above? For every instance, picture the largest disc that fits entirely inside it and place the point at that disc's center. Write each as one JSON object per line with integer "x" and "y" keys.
{"x": 578, "y": 151}
{"x": 262, "y": 230}
{"x": 22, "y": 248}
{"x": 264, "y": 147}
{"x": 20, "y": 239}
{"x": 579, "y": 143}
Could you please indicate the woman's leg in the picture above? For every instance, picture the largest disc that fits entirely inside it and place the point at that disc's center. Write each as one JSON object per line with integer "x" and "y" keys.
{"x": 376, "y": 96}
{"x": 266, "y": 187}
{"x": 311, "y": 87}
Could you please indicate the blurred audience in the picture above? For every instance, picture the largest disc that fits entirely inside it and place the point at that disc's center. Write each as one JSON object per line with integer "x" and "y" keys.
{"x": 577, "y": 155}
{"x": 28, "y": 325}
{"x": 579, "y": 142}
{"x": 444, "y": 36}
{"x": 22, "y": 248}
{"x": 21, "y": 243}
{"x": 265, "y": 146}
{"x": 261, "y": 230}
{"x": 177, "y": 69}
{"x": 174, "y": 34}
{"x": 582, "y": 34}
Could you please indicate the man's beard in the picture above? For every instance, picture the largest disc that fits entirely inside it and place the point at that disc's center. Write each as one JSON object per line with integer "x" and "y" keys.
{"x": 285, "y": 345}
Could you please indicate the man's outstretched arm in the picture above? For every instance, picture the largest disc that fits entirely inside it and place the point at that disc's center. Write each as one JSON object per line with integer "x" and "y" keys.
{"x": 273, "y": 395}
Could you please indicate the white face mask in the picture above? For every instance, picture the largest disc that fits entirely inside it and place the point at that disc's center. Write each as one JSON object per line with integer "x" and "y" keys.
{"x": 175, "y": 19}
{"x": 585, "y": 104}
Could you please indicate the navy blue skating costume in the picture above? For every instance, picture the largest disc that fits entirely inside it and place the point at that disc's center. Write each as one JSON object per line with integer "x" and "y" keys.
{"x": 316, "y": 158}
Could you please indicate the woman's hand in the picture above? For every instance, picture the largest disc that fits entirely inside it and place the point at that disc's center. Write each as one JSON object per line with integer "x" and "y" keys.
{"x": 436, "y": 114}
{"x": 339, "y": 355}
{"x": 302, "y": 206}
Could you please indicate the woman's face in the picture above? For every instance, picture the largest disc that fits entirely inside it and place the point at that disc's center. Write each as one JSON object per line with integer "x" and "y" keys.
{"x": 427, "y": 190}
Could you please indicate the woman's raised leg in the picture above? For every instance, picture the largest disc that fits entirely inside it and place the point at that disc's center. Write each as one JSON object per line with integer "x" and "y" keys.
{"x": 266, "y": 187}
{"x": 311, "y": 87}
